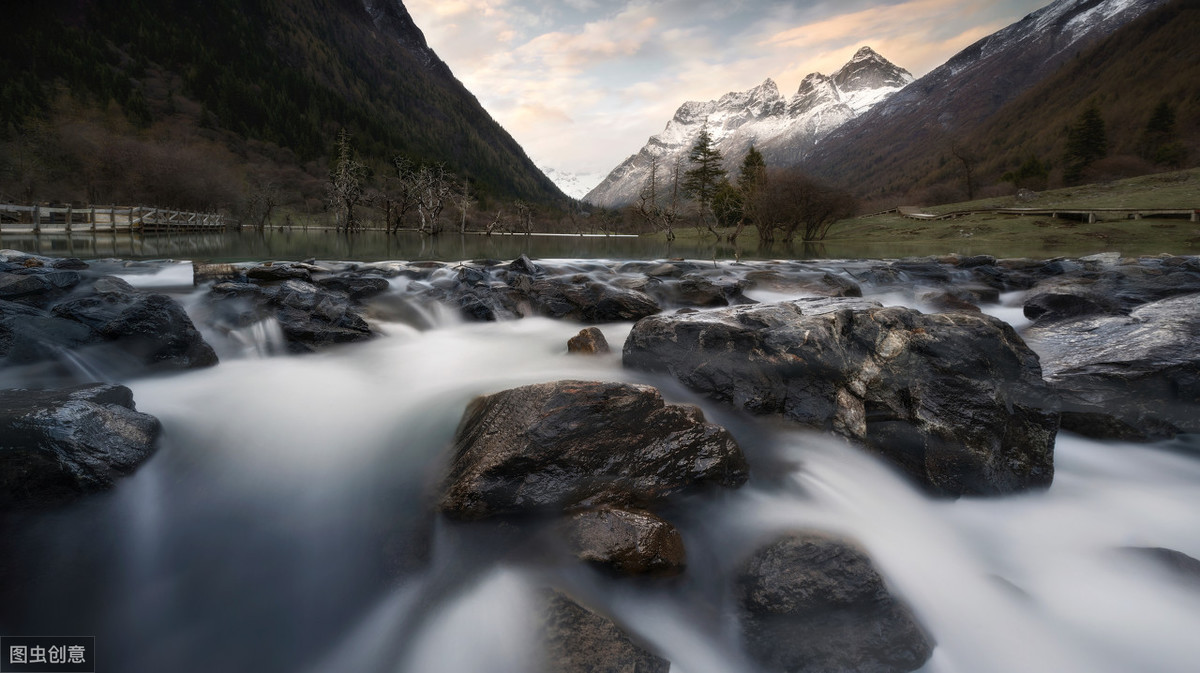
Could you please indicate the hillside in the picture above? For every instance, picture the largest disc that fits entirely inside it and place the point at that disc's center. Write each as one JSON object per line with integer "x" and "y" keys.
{"x": 892, "y": 149}
{"x": 195, "y": 104}
{"x": 1153, "y": 60}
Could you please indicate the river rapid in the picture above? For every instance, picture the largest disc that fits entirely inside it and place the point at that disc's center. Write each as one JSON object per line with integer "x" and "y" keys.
{"x": 286, "y": 523}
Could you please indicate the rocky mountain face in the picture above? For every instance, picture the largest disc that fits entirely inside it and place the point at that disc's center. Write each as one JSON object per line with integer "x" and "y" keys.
{"x": 783, "y": 129}
{"x": 879, "y": 149}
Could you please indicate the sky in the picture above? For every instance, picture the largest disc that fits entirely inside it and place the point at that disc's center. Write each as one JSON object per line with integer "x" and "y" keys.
{"x": 582, "y": 84}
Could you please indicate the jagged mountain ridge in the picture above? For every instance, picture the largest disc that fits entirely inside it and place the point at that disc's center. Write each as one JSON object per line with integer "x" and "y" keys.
{"x": 881, "y": 151}
{"x": 782, "y": 128}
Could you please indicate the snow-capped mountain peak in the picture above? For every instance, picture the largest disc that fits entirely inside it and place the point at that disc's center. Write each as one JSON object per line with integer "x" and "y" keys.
{"x": 781, "y": 128}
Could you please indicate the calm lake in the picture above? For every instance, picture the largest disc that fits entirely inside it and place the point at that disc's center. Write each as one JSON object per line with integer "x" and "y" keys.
{"x": 300, "y": 244}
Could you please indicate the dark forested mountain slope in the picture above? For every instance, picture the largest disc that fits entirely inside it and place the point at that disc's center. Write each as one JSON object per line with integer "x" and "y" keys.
{"x": 895, "y": 146}
{"x": 258, "y": 86}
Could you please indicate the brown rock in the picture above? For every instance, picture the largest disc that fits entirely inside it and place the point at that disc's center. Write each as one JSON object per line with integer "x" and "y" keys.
{"x": 626, "y": 542}
{"x": 589, "y": 341}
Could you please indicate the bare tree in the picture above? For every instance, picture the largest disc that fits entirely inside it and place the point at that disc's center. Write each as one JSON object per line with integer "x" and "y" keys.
{"x": 498, "y": 223}
{"x": 346, "y": 184}
{"x": 464, "y": 201}
{"x": 660, "y": 209}
{"x": 790, "y": 202}
{"x": 524, "y": 217}
{"x": 433, "y": 189}
{"x": 399, "y": 194}
{"x": 264, "y": 198}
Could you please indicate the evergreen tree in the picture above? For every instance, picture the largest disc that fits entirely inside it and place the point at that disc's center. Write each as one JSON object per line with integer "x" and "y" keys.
{"x": 1086, "y": 143}
{"x": 753, "y": 173}
{"x": 751, "y": 180}
{"x": 701, "y": 180}
{"x": 1159, "y": 142}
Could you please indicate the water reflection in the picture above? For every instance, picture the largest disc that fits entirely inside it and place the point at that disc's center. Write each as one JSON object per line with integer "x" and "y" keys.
{"x": 299, "y": 244}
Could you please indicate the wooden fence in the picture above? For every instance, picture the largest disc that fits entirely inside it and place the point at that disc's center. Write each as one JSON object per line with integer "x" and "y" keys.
{"x": 66, "y": 219}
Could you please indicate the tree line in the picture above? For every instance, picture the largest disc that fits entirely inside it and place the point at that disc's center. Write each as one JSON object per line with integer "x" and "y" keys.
{"x": 781, "y": 204}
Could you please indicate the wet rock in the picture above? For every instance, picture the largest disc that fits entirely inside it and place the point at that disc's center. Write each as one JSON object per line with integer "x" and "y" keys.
{"x": 37, "y": 286}
{"x": 152, "y": 328}
{"x": 524, "y": 265}
{"x": 697, "y": 290}
{"x": 579, "y": 640}
{"x": 57, "y": 445}
{"x": 271, "y": 271}
{"x": 626, "y": 542}
{"x": 357, "y": 287}
{"x": 589, "y": 341}
{"x": 1133, "y": 377}
{"x": 955, "y": 400}
{"x": 30, "y": 335}
{"x": 943, "y": 301}
{"x": 820, "y": 283}
{"x": 575, "y": 445}
{"x": 205, "y": 272}
{"x": 311, "y": 317}
{"x": 589, "y": 301}
{"x": 1047, "y": 307}
{"x": 812, "y": 603}
{"x": 23, "y": 259}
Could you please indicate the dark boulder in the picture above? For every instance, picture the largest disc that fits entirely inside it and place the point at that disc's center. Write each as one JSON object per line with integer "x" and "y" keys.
{"x": 820, "y": 283}
{"x": 694, "y": 289}
{"x": 57, "y": 445}
{"x": 524, "y": 265}
{"x": 1047, "y": 307}
{"x": 812, "y": 603}
{"x": 271, "y": 271}
{"x": 585, "y": 300}
{"x": 1131, "y": 377}
{"x": 575, "y": 445}
{"x": 311, "y": 317}
{"x": 153, "y": 328}
{"x": 357, "y": 287}
{"x": 576, "y": 639}
{"x": 37, "y": 286}
{"x": 956, "y": 400}
{"x": 589, "y": 341}
{"x": 626, "y": 542}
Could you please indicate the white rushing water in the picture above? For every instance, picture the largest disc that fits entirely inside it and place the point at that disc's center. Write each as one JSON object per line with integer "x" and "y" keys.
{"x": 284, "y": 525}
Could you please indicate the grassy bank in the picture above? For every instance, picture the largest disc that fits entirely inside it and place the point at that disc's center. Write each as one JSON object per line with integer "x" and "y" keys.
{"x": 891, "y": 235}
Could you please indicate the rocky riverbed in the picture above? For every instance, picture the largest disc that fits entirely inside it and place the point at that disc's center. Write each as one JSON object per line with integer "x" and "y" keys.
{"x": 581, "y": 485}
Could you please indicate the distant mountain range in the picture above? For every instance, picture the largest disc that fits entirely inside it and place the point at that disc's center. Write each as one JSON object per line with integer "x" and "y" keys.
{"x": 250, "y": 91}
{"x": 783, "y": 129}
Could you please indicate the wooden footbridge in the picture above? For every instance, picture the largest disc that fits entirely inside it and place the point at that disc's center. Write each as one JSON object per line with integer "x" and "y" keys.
{"x": 39, "y": 219}
{"x": 1090, "y": 215}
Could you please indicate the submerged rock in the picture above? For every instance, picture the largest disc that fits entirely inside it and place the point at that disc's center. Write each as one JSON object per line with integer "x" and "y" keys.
{"x": 626, "y": 542}
{"x": 576, "y": 639}
{"x": 574, "y": 445}
{"x": 57, "y": 445}
{"x": 811, "y": 603}
{"x": 956, "y": 400}
{"x": 1126, "y": 377}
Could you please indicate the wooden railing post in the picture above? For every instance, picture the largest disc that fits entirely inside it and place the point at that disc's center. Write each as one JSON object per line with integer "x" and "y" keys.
{"x": 37, "y": 219}
{"x": 69, "y": 211}
{"x": 93, "y": 214}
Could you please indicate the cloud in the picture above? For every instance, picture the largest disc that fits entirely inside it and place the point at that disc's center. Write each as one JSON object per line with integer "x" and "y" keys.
{"x": 582, "y": 84}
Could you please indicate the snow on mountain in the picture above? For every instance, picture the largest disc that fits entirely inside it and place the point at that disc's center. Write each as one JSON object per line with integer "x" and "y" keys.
{"x": 574, "y": 185}
{"x": 782, "y": 128}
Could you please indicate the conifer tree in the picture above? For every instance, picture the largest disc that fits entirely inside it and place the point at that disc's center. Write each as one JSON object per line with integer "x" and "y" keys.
{"x": 1159, "y": 142}
{"x": 701, "y": 180}
{"x": 1086, "y": 143}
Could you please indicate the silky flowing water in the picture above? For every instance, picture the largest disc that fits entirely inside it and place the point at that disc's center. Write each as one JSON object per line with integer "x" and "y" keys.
{"x": 285, "y": 524}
